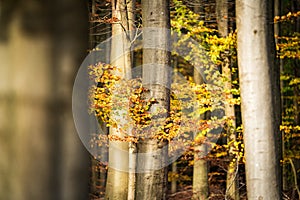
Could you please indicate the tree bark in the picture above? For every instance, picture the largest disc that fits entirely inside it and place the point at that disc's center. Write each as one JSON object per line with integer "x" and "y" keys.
{"x": 259, "y": 83}
{"x": 200, "y": 169}
{"x": 277, "y": 32}
{"x": 222, "y": 17}
{"x": 200, "y": 174}
{"x": 152, "y": 183}
{"x": 174, "y": 181}
{"x": 118, "y": 171}
{"x": 231, "y": 182}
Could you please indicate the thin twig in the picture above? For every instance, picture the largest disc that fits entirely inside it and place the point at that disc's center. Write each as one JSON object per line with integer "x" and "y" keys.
{"x": 137, "y": 34}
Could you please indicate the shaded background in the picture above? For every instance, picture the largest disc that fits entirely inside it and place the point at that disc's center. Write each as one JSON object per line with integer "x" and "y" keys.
{"x": 42, "y": 44}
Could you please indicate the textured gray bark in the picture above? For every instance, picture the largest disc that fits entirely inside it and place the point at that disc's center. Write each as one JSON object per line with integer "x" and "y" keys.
{"x": 40, "y": 50}
{"x": 152, "y": 185}
{"x": 260, "y": 98}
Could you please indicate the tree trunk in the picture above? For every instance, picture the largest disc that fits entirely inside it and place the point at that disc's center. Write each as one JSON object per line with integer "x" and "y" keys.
{"x": 200, "y": 170}
{"x": 118, "y": 174}
{"x": 259, "y": 83}
{"x": 132, "y": 145}
{"x": 41, "y": 155}
{"x": 277, "y": 32}
{"x": 69, "y": 49}
{"x": 222, "y": 17}
{"x": 200, "y": 174}
{"x": 153, "y": 153}
{"x": 199, "y": 8}
{"x": 174, "y": 180}
{"x": 232, "y": 190}
{"x": 232, "y": 181}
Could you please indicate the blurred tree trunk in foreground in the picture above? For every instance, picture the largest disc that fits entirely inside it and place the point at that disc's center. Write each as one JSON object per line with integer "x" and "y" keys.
{"x": 42, "y": 44}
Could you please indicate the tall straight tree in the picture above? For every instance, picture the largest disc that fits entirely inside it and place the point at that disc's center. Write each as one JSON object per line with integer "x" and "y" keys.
{"x": 277, "y": 31}
{"x": 231, "y": 182}
{"x": 117, "y": 177}
{"x": 260, "y": 97}
{"x": 200, "y": 169}
{"x": 153, "y": 153}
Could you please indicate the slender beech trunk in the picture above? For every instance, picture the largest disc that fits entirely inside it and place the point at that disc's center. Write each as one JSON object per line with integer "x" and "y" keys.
{"x": 153, "y": 153}
{"x": 259, "y": 84}
{"x": 277, "y": 32}
{"x": 132, "y": 145}
{"x": 222, "y": 17}
{"x": 295, "y": 7}
{"x": 232, "y": 176}
{"x": 174, "y": 181}
{"x": 174, "y": 164}
{"x": 200, "y": 177}
{"x": 118, "y": 176}
{"x": 200, "y": 170}
{"x": 231, "y": 182}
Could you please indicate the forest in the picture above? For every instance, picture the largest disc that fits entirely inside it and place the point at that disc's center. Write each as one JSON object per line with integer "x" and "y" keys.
{"x": 149, "y": 99}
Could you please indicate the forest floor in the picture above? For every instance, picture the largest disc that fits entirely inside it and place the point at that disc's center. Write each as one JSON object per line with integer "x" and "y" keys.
{"x": 186, "y": 193}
